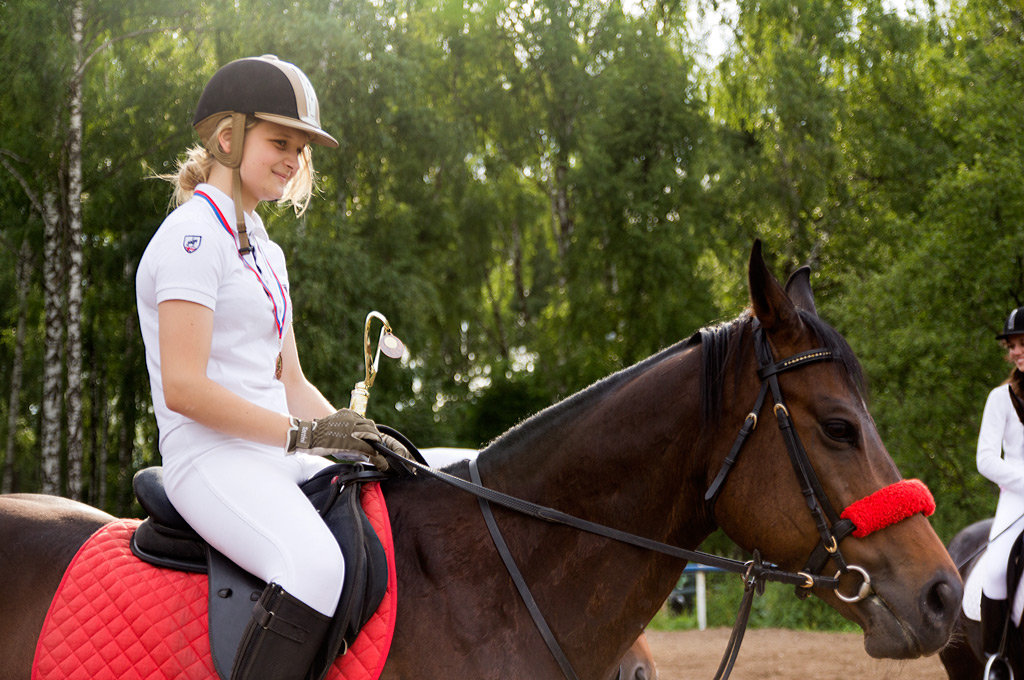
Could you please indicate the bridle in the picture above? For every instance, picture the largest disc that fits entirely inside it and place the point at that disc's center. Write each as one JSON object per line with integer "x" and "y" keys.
{"x": 903, "y": 499}
{"x": 831, "y": 527}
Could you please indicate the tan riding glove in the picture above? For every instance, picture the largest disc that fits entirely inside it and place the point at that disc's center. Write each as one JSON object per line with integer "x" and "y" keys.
{"x": 344, "y": 430}
{"x": 379, "y": 461}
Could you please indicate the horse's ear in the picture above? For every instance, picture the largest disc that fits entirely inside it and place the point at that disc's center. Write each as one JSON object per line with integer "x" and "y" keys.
{"x": 799, "y": 290}
{"x": 769, "y": 300}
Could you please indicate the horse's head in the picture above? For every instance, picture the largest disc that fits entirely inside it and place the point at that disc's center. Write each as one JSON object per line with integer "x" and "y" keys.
{"x": 766, "y": 503}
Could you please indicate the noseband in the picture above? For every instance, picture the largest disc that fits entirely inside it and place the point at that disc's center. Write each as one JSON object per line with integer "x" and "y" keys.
{"x": 886, "y": 506}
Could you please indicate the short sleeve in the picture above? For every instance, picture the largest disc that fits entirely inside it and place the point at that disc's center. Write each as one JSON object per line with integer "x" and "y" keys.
{"x": 190, "y": 265}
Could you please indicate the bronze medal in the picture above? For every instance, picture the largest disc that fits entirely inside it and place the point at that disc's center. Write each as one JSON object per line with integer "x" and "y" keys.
{"x": 278, "y": 367}
{"x": 391, "y": 346}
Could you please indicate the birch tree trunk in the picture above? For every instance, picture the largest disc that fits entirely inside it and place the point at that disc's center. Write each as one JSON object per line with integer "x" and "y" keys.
{"x": 53, "y": 349}
{"x": 23, "y": 276}
{"x": 100, "y": 429}
{"x": 74, "y": 245}
{"x": 563, "y": 224}
{"x": 122, "y": 494}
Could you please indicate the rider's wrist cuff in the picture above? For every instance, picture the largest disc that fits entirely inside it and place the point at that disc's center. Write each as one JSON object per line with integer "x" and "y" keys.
{"x": 300, "y": 435}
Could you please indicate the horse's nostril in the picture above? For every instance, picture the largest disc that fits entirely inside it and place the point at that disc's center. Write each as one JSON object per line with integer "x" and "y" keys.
{"x": 641, "y": 674}
{"x": 942, "y": 600}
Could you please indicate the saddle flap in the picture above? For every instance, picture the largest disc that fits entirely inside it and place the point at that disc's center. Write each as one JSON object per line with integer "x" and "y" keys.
{"x": 233, "y": 592}
{"x": 1015, "y": 566}
{"x": 366, "y": 568}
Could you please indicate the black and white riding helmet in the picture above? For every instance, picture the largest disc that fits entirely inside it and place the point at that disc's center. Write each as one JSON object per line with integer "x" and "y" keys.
{"x": 265, "y": 87}
{"x": 1014, "y": 324}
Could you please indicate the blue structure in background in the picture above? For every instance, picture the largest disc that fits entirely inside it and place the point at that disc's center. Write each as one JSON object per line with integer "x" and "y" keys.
{"x": 691, "y": 593}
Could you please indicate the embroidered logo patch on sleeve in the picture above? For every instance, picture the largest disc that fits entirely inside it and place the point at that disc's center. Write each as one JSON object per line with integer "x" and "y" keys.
{"x": 191, "y": 243}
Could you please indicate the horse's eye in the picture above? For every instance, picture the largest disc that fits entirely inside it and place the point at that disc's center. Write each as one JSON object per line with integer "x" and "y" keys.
{"x": 840, "y": 430}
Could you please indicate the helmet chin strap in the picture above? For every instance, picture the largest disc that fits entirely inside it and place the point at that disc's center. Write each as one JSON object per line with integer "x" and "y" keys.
{"x": 243, "y": 238}
{"x": 233, "y": 160}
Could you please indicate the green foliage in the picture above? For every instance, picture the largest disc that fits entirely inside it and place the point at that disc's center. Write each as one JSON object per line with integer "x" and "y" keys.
{"x": 777, "y": 607}
{"x": 924, "y": 322}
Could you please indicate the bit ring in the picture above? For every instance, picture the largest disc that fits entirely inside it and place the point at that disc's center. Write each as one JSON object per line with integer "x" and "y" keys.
{"x": 862, "y": 592}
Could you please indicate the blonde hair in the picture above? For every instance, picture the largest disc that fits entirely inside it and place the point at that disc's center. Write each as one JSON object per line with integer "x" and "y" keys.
{"x": 195, "y": 169}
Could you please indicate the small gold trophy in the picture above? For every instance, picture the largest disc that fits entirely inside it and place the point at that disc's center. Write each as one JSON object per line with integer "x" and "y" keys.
{"x": 388, "y": 344}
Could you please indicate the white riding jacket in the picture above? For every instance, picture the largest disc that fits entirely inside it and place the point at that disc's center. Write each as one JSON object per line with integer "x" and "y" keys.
{"x": 1000, "y": 458}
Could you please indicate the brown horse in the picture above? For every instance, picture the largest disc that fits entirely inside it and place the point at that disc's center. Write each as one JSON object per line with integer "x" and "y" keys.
{"x": 963, "y": 657}
{"x": 636, "y": 452}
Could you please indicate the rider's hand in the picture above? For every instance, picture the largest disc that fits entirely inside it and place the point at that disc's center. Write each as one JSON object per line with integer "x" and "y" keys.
{"x": 344, "y": 430}
{"x": 379, "y": 461}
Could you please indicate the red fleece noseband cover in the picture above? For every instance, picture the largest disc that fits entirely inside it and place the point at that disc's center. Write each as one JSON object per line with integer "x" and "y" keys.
{"x": 889, "y": 505}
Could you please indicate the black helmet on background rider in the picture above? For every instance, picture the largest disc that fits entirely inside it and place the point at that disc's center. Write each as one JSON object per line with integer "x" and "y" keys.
{"x": 1014, "y": 324}
{"x": 263, "y": 87}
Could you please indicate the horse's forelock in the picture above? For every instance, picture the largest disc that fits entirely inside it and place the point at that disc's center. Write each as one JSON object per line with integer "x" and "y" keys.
{"x": 725, "y": 344}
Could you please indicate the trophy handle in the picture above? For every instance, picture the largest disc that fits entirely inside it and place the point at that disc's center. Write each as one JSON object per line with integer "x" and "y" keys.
{"x": 386, "y": 342}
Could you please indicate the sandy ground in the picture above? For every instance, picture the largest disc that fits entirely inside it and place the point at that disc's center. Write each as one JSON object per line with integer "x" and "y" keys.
{"x": 776, "y": 654}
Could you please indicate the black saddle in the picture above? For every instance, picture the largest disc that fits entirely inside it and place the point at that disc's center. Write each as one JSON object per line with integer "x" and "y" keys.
{"x": 166, "y": 540}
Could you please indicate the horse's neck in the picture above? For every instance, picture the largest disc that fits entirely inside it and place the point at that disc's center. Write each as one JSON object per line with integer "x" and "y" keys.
{"x": 625, "y": 456}
{"x": 628, "y": 460}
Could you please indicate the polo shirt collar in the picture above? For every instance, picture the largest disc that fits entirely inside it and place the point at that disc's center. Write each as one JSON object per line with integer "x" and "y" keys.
{"x": 253, "y": 222}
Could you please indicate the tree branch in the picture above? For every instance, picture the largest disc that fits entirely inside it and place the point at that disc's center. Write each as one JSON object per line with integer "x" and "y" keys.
{"x": 32, "y": 197}
{"x": 126, "y": 36}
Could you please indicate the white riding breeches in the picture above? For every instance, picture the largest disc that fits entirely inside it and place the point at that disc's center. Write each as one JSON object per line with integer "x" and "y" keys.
{"x": 244, "y": 499}
{"x": 1006, "y": 527}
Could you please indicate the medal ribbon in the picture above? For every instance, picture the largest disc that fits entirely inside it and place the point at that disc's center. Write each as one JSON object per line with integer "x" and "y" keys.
{"x": 279, "y": 317}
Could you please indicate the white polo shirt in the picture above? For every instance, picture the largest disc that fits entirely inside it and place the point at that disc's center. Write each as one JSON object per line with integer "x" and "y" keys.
{"x": 194, "y": 256}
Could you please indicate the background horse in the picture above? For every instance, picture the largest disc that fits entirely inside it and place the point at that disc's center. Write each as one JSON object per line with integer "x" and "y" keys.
{"x": 638, "y": 663}
{"x": 636, "y": 451}
{"x": 963, "y": 657}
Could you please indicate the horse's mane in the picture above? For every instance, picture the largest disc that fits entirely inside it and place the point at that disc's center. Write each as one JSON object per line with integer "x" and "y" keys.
{"x": 553, "y": 415}
{"x": 724, "y": 344}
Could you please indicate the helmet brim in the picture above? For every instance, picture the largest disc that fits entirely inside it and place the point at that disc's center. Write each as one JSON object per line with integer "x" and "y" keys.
{"x": 318, "y": 136}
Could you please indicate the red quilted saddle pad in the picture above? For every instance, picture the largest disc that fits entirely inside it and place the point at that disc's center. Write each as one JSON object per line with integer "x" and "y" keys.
{"x": 117, "y": 618}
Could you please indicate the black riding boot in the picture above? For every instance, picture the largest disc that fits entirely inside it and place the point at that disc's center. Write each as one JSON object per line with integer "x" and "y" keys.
{"x": 993, "y": 620}
{"x": 281, "y": 639}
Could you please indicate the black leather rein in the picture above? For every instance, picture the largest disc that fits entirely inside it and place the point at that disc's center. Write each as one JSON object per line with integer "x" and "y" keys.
{"x": 766, "y": 572}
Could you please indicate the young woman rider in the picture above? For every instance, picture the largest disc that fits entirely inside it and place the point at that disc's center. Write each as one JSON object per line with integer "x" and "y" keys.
{"x": 1000, "y": 459}
{"x": 240, "y": 425}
